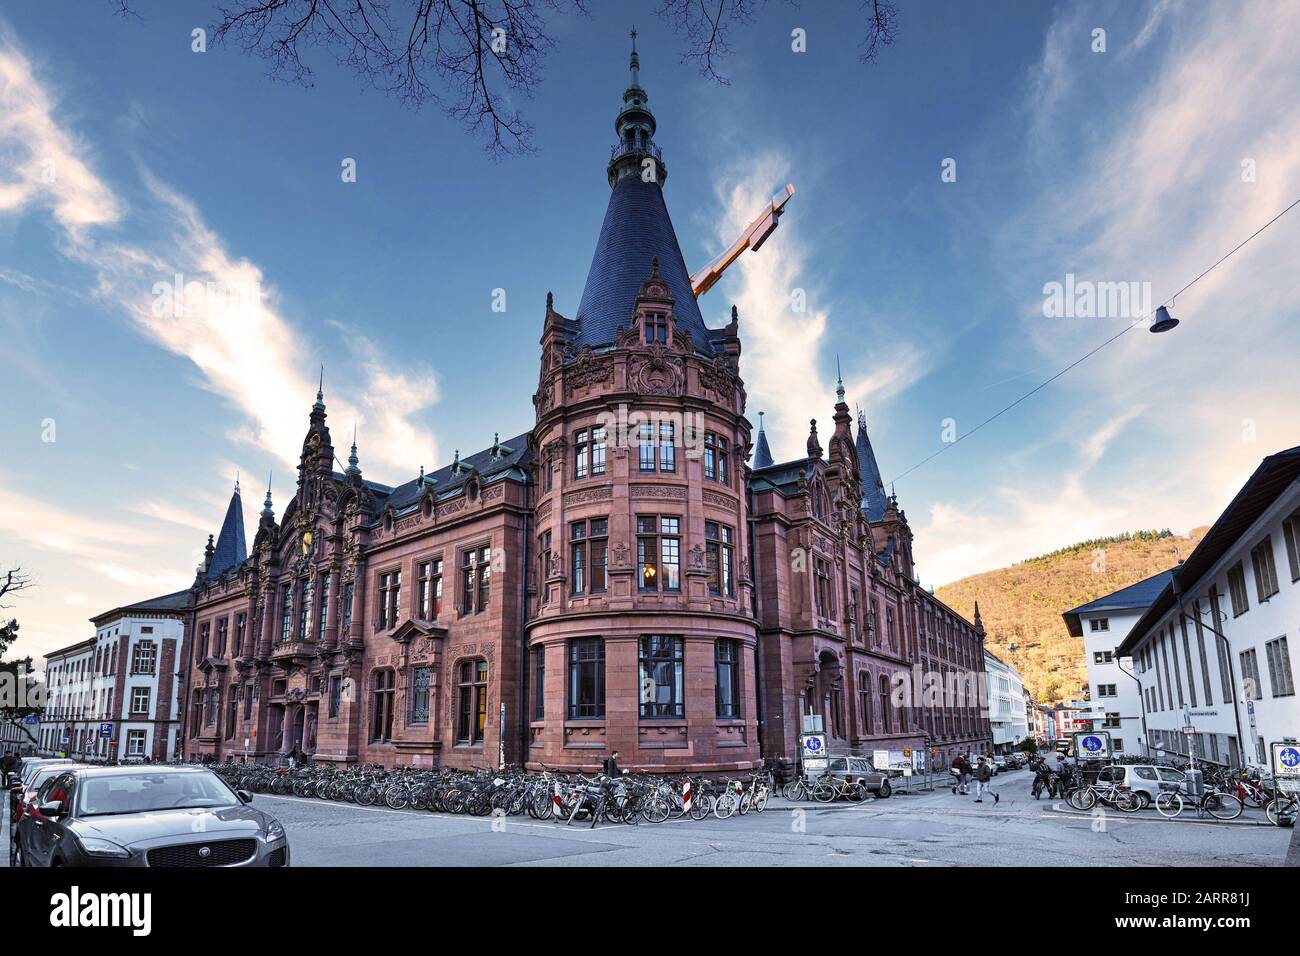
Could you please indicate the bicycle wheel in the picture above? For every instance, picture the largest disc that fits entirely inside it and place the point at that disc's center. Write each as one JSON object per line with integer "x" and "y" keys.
{"x": 725, "y": 805}
{"x": 793, "y": 790}
{"x": 746, "y": 801}
{"x": 824, "y": 792}
{"x": 701, "y": 806}
{"x": 1085, "y": 798}
{"x": 760, "y": 802}
{"x": 656, "y": 810}
{"x": 855, "y": 792}
{"x": 1222, "y": 806}
{"x": 1126, "y": 801}
{"x": 396, "y": 798}
{"x": 1281, "y": 808}
{"x": 1169, "y": 804}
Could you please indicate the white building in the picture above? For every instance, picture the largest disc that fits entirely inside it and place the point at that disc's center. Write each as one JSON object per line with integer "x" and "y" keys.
{"x": 1212, "y": 652}
{"x": 1112, "y": 682}
{"x": 115, "y": 696}
{"x": 1007, "y": 714}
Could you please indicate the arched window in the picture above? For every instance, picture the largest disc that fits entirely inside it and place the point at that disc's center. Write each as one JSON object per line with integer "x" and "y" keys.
{"x": 472, "y": 692}
{"x": 884, "y": 704}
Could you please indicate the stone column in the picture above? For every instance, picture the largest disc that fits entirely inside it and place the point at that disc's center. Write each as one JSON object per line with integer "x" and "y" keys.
{"x": 331, "y": 635}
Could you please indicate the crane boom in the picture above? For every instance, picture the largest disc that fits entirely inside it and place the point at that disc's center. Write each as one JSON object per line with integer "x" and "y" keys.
{"x": 754, "y": 235}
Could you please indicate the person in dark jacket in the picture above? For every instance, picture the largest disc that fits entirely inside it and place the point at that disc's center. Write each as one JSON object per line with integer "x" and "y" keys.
{"x": 611, "y": 765}
{"x": 983, "y": 774}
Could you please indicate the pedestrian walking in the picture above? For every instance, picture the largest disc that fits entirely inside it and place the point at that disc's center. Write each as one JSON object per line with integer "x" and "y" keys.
{"x": 983, "y": 774}
{"x": 611, "y": 765}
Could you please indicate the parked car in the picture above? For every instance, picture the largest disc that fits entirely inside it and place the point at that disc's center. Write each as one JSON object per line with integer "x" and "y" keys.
{"x": 859, "y": 770}
{"x": 16, "y": 782}
{"x": 1146, "y": 780}
{"x": 27, "y": 792}
{"x": 146, "y": 816}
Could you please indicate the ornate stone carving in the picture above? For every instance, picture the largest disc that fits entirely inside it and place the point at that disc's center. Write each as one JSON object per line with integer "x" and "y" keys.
{"x": 676, "y": 492}
{"x": 599, "y": 493}
{"x": 587, "y": 371}
{"x": 658, "y": 373}
{"x": 717, "y": 378}
{"x": 622, "y": 556}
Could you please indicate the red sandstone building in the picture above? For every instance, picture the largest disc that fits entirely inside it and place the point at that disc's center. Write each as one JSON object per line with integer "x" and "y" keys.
{"x": 615, "y": 579}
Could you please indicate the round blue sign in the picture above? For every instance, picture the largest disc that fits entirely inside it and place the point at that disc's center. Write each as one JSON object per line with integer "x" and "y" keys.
{"x": 1290, "y": 757}
{"x": 813, "y": 744}
{"x": 1092, "y": 743}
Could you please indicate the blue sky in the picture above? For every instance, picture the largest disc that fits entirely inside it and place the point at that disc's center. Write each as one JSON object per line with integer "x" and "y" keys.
{"x": 1123, "y": 165}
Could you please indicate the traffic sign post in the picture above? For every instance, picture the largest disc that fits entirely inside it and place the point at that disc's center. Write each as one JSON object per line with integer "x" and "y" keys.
{"x": 812, "y": 751}
{"x": 1286, "y": 765}
{"x": 1093, "y": 746}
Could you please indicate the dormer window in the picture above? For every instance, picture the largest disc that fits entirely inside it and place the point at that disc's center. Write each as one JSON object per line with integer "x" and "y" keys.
{"x": 656, "y": 328}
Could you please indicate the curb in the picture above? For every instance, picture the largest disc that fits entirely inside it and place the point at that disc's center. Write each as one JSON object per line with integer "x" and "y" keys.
{"x": 1208, "y": 821}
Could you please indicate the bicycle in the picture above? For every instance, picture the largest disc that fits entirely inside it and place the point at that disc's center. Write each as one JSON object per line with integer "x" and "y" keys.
{"x": 1282, "y": 809}
{"x": 1221, "y": 806}
{"x": 1087, "y": 797}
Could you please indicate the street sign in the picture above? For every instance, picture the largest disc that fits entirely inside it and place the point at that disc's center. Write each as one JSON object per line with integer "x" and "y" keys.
{"x": 880, "y": 759}
{"x": 1286, "y": 765}
{"x": 812, "y": 746}
{"x": 1188, "y": 730}
{"x": 31, "y": 720}
{"x": 105, "y": 731}
{"x": 1094, "y": 746}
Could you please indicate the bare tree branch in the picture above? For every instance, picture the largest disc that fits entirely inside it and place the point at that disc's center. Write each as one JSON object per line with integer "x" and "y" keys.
{"x": 882, "y": 26}
{"x": 13, "y": 581}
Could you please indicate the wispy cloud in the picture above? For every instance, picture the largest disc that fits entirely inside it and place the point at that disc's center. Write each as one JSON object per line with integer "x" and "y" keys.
{"x": 786, "y": 357}
{"x": 228, "y": 321}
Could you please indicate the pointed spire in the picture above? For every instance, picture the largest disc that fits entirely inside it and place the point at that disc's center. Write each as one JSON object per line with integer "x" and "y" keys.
{"x": 354, "y": 463}
{"x": 320, "y": 391}
{"x": 839, "y": 381}
{"x": 634, "y": 64}
{"x": 762, "y": 452}
{"x": 635, "y": 127}
{"x": 230, "y": 549}
{"x": 979, "y": 625}
{"x": 814, "y": 445}
{"x": 268, "y": 510}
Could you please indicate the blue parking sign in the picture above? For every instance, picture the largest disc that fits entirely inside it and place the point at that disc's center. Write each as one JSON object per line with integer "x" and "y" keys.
{"x": 105, "y": 731}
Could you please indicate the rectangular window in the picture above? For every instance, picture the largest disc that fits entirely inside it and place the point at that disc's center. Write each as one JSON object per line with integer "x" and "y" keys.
{"x": 144, "y": 658}
{"x": 430, "y": 592}
{"x": 1099, "y": 624}
{"x": 140, "y": 700}
{"x": 1261, "y": 560}
{"x": 1291, "y": 536}
{"x": 1200, "y": 648}
{"x": 336, "y": 694}
{"x": 304, "y": 610}
{"x": 241, "y": 627}
{"x": 1237, "y": 590}
{"x": 538, "y": 689}
{"x": 248, "y": 701}
{"x": 323, "y": 613}
{"x": 543, "y": 564}
{"x": 286, "y": 613}
{"x": 390, "y": 596}
{"x": 719, "y": 548}
{"x": 658, "y": 547}
{"x": 421, "y": 679}
{"x": 656, "y": 328}
{"x": 348, "y": 591}
{"x": 1102, "y": 657}
{"x": 667, "y": 447}
{"x": 1250, "y": 675}
{"x": 586, "y": 678}
{"x": 853, "y": 615}
{"x": 135, "y": 743}
{"x": 381, "y": 724}
{"x": 1187, "y": 656}
{"x": 661, "y": 661}
{"x": 588, "y": 555}
{"x": 475, "y": 580}
{"x": 727, "y": 686}
{"x": 1279, "y": 668}
{"x": 646, "y": 447}
{"x": 223, "y": 630}
{"x": 581, "y": 451}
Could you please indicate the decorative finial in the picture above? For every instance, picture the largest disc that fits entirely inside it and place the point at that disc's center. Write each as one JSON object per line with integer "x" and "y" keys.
{"x": 236, "y": 482}
{"x": 839, "y": 380}
{"x": 420, "y": 482}
{"x": 320, "y": 390}
{"x": 455, "y": 463}
{"x": 654, "y": 266}
{"x": 634, "y": 64}
{"x": 268, "y": 511}
{"x": 760, "y": 421}
{"x": 735, "y": 314}
{"x": 354, "y": 467}
{"x": 550, "y": 302}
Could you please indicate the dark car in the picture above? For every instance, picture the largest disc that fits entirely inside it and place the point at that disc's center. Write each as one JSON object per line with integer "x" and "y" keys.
{"x": 17, "y": 781}
{"x": 27, "y": 791}
{"x": 146, "y": 816}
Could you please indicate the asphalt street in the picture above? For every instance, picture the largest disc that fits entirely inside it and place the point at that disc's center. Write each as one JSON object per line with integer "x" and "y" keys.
{"x": 908, "y": 829}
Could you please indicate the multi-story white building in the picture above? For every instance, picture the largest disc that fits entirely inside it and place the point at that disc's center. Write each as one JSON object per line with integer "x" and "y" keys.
{"x": 114, "y": 696}
{"x": 1112, "y": 682}
{"x": 1212, "y": 652}
{"x": 1007, "y": 714}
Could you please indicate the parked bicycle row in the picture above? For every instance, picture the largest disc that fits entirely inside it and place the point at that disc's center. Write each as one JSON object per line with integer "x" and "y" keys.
{"x": 567, "y": 797}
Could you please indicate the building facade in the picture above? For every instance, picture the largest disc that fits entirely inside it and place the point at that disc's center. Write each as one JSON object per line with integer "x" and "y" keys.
{"x": 114, "y": 696}
{"x": 1212, "y": 651}
{"x": 1008, "y": 710}
{"x": 617, "y": 578}
{"x": 1113, "y": 685}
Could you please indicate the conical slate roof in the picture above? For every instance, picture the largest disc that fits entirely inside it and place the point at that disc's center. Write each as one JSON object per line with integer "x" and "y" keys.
{"x": 762, "y": 453}
{"x": 874, "y": 501}
{"x": 230, "y": 550}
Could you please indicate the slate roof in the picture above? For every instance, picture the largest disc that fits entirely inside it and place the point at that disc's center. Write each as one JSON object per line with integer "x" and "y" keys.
{"x": 874, "y": 500}
{"x": 443, "y": 481}
{"x": 1139, "y": 595}
{"x": 230, "y": 548}
{"x": 637, "y": 228}
{"x": 762, "y": 453}
{"x": 173, "y": 603}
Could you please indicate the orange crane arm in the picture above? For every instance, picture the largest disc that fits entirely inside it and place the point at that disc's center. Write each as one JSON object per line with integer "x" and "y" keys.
{"x": 753, "y": 237}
